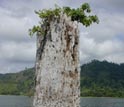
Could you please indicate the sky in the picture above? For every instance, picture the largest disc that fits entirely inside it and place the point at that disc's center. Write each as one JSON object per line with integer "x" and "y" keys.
{"x": 103, "y": 41}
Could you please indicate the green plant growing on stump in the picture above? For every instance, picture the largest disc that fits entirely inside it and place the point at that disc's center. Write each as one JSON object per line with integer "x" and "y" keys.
{"x": 80, "y": 15}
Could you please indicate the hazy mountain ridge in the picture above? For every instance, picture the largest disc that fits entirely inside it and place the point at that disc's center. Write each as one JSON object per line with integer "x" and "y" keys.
{"x": 98, "y": 78}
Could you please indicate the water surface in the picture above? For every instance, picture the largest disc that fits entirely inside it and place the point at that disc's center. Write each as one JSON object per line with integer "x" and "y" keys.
{"x": 23, "y": 101}
{"x": 102, "y": 102}
{"x": 15, "y": 101}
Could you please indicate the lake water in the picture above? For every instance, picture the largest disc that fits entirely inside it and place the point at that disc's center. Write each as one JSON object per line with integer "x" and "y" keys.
{"x": 15, "y": 101}
{"x": 23, "y": 101}
{"x": 102, "y": 102}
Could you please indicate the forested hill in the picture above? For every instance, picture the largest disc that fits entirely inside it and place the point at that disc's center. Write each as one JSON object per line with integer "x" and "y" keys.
{"x": 21, "y": 83}
{"x": 98, "y": 78}
{"x": 102, "y": 79}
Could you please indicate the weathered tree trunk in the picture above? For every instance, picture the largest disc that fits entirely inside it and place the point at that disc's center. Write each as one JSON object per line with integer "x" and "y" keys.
{"x": 57, "y": 65}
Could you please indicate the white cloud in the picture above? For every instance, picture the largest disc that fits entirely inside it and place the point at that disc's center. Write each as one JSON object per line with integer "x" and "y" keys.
{"x": 13, "y": 52}
{"x": 16, "y": 56}
{"x": 13, "y": 28}
{"x": 111, "y": 50}
{"x": 110, "y": 26}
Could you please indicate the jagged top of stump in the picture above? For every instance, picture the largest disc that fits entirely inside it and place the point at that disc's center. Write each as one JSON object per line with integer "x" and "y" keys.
{"x": 79, "y": 14}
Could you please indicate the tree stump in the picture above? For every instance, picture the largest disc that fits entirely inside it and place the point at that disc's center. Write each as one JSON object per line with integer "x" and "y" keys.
{"x": 57, "y": 65}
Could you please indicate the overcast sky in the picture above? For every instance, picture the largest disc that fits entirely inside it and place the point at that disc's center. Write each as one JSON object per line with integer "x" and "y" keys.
{"x": 104, "y": 41}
